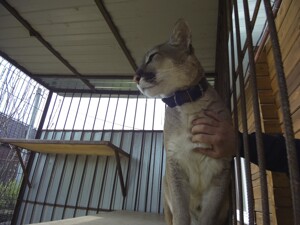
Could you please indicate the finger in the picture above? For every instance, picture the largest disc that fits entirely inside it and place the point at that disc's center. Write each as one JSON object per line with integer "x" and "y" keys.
{"x": 206, "y": 120}
{"x": 213, "y": 115}
{"x": 204, "y": 138}
{"x": 203, "y": 129}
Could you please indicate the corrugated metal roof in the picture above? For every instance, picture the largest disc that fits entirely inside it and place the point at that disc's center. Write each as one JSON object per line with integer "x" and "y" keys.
{"x": 79, "y": 35}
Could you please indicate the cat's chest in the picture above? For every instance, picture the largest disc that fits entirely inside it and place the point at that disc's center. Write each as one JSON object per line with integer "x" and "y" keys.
{"x": 199, "y": 168}
{"x": 178, "y": 125}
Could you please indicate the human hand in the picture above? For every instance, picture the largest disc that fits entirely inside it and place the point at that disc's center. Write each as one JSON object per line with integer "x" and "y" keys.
{"x": 215, "y": 131}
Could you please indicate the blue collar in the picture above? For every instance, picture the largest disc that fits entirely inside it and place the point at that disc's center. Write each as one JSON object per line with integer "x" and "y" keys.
{"x": 188, "y": 95}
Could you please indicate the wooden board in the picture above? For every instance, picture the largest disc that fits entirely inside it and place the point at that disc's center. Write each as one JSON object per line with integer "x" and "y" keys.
{"x": 113, "y": 218}
{"x": 103, "y": 148}
{"x": 67, "y": 147}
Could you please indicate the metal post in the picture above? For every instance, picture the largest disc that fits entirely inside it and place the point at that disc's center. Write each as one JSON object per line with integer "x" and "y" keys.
{"x": 257, "y": 119}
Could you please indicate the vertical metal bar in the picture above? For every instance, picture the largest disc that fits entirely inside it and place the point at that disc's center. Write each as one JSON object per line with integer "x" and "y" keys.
{"x": 122, "y": 138}
{"x": 287, "y": 121}
{"x": 252, "y": 23}
{"x": 125, "y": 114}
{"x": 85, "y": 164}
{"x": 32, "y": 155}
{"x": 75, "y": 164}
{"x": 255, "y": 13}
{"x": 244, "y": 116}
{"x": 99, "y": 100}
{"x": 106, "y": 161}
{"x": 28, "y": 193}
{"x": 102, "y": 185}
{"x": 266, "y": 33}
{"x": 118, "y": 167}
{"x": 69, "y": 188}
{"x": 222, "y": 66}
{"x": 17, "y": 149}
{"x": 150, "y": 158}
{"x": 131, "y": 149}
{"x": 48, "y": 187}
{"x": 92, "y": 186}
{"x": 39, "y": 188}
{"x": 87, "y": 111}
{"x": 68, "y": 111}
{"x": 60, "y": 109}
{"x": 136, "y": 203}
{"x": 81, "y": 185}
{"x": 233, "y": 200}
{"x": 41, "y": 124}
{"x": 47, "y": 191}
{"x": 59, "y": 187}
{"x": 30, "y": 162}
{"x": 77, "y": 112}
{"x": 154, "y": 139}
{"x": 257, "y": 119}
{"x": 106, "y": 113}
{"x": 115, "y": 114}
{"x": 50, "y": 115}
{"x": 239, "y": 190}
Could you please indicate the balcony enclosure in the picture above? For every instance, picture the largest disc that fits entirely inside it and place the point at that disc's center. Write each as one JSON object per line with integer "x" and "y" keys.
{"x": 66, "y": 71}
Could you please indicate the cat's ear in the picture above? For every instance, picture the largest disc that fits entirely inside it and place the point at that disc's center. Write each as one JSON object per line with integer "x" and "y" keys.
{"x": 181, "y": 35}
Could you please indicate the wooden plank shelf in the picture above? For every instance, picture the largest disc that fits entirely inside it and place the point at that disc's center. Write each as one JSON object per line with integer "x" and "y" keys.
{"x": 104, "y": 148}
{"x": 99, "y": 148}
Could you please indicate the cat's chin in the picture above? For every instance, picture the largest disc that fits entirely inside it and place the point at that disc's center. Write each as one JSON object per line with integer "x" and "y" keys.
{"x": 148, "y": 91}
{"x": 155, "y": 91}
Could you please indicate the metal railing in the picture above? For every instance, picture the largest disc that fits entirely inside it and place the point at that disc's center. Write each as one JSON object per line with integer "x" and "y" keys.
{"x": 243, "y": 19}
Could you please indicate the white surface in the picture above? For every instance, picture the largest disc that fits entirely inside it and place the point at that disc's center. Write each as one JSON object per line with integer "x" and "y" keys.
{"x": 114, "y": 218}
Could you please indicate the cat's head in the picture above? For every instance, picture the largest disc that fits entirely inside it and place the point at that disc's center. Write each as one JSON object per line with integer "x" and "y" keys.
{"x": 171, "y": 66}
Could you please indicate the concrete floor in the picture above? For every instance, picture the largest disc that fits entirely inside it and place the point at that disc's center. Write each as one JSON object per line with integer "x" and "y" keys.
{"x": 113, "y": 218}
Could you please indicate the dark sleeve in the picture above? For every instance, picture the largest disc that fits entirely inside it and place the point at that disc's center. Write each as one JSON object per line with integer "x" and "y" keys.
{"x": 274, "y": 149}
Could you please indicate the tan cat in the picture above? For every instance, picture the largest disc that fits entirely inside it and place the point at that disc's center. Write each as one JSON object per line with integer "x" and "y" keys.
{"x": 195, "y": 185}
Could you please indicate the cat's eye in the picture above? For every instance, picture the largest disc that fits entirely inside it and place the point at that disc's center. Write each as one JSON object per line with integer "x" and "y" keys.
{"x": 150, "y": 58}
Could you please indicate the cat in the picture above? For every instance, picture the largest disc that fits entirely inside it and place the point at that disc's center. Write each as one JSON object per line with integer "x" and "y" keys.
{"x": 195, "y": 186}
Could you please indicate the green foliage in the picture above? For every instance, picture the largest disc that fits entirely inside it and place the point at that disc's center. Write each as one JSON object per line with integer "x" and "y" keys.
{"x": 8, "y": 194}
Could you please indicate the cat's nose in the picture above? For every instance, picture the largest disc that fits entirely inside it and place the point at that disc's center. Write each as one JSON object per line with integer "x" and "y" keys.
{"x": 137, "y": 79}
{"x": 138, "y": 75}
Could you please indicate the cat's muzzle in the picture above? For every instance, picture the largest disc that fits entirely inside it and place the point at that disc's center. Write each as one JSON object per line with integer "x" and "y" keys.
{"x": 148, "y": 76}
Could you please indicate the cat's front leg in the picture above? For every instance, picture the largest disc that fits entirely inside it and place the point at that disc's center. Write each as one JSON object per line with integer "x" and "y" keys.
{"x": 177, "y": 193}
{"x": 215, "y": 201}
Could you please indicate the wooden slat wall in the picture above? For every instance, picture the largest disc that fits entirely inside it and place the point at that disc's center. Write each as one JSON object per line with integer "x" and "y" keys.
{"x": 270, "y": 124}
{"x": 66, "y": 186}
{"x": 288, "y": 23}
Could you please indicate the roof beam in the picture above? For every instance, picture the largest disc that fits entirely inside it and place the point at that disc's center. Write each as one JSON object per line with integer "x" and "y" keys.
{"x": 95, "y": 76}
{"x": 38, "y": 36}
{"x": 104, "y": 92}
{"x": 116, "y": 33}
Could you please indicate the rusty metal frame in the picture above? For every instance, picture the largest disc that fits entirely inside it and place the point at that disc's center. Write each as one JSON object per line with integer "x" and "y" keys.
{"x": 116, "y": 33}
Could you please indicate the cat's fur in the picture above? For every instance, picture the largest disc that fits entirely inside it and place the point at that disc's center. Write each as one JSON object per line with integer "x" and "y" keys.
{"x": 195, "y": 185}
